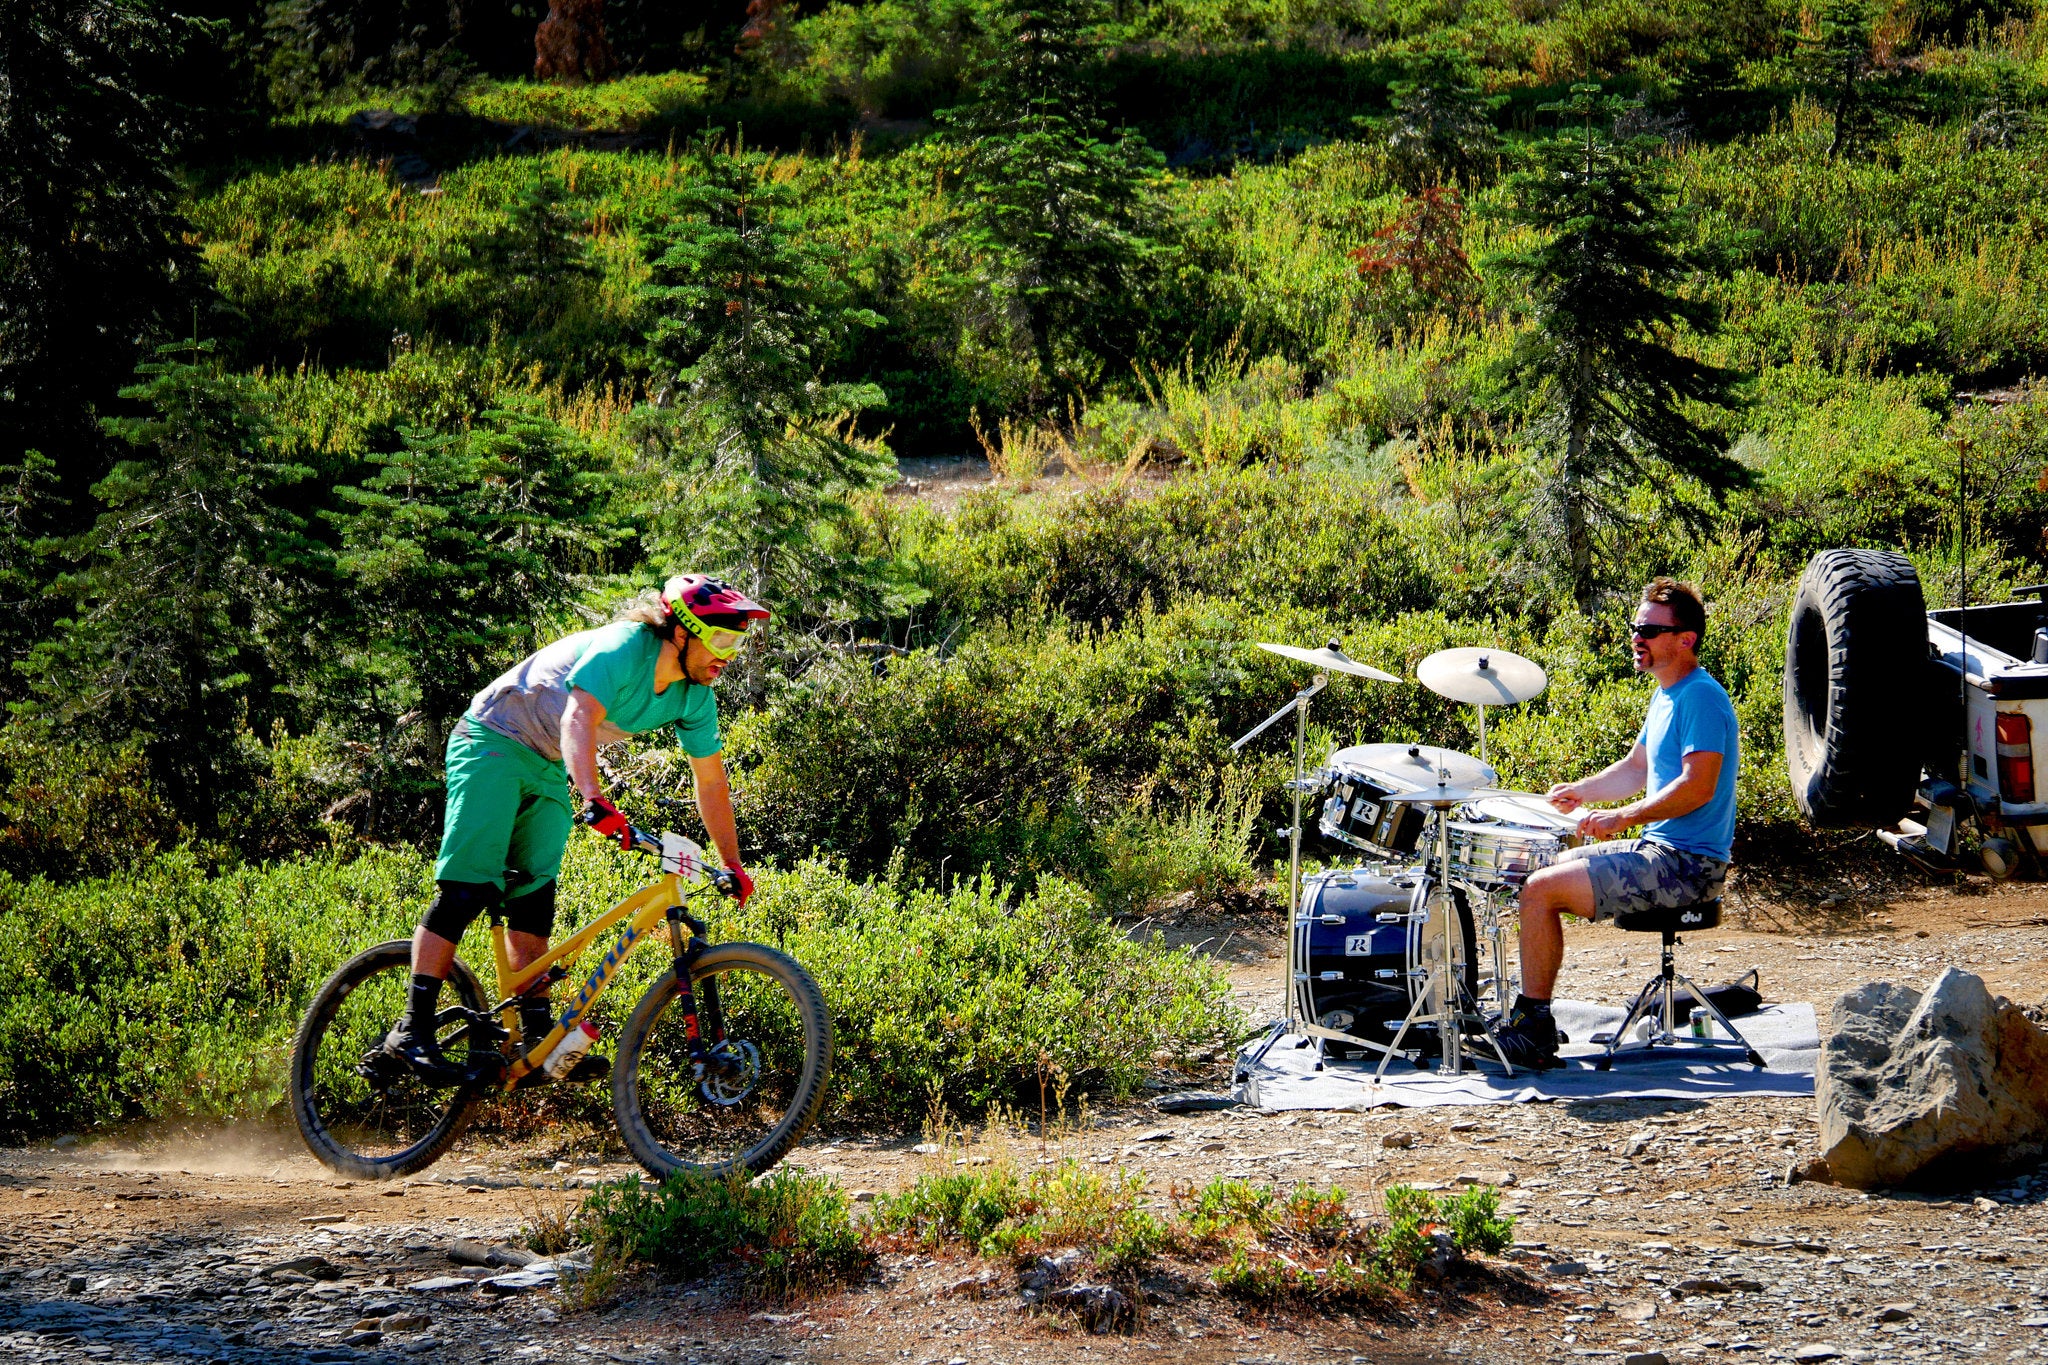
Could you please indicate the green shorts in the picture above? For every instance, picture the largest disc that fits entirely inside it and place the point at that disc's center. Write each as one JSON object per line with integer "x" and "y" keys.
{"x": 508, "y": 810}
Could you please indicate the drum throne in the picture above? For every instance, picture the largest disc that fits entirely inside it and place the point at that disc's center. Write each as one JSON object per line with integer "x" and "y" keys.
{"x": 1658, "y": 999}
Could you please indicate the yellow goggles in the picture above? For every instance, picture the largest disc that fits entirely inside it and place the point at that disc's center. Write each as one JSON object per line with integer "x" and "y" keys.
{"x": 722, "y": 642}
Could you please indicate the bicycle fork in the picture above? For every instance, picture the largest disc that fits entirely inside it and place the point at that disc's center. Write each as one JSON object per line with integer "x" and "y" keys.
{"x": 703, "y": 1021}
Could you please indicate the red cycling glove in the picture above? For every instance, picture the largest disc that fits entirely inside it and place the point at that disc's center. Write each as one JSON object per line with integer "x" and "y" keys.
{"x": 746, "y": 884}
{"x": 602, "y": 816}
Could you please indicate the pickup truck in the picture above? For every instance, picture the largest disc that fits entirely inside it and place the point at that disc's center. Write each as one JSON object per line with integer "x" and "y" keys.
{"x": 1920, "y": 723}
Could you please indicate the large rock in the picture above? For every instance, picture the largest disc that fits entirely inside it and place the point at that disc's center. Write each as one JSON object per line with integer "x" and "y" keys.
{"x": 1943, "y": 1087}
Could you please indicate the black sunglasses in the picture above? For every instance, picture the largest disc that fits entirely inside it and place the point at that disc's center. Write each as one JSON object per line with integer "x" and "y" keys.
{"x": 1651, "y": 632}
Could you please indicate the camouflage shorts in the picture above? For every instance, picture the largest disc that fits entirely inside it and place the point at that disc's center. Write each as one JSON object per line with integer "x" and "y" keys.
{"x": 1631, "y": 875}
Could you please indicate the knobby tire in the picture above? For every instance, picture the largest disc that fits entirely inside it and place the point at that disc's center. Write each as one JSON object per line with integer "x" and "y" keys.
{"x": 638, "y": 1108}
{"x": 318, "y": 1107}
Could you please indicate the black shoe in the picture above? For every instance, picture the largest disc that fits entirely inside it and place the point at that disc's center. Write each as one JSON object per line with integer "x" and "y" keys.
{"x": 1529, "y": 1041}
{"x": 419, "y": 1054}
{"x": 536, "y": 1021}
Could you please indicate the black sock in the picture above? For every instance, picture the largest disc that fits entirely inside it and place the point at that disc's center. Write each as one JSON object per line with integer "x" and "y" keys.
{"x": 1532, "y": 1007}
{"x": 423, "y": 1005}
{"x": 536, "y": 1017}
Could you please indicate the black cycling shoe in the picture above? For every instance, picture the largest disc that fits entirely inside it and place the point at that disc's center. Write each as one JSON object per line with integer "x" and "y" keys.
{"x": 419, "y": 1054}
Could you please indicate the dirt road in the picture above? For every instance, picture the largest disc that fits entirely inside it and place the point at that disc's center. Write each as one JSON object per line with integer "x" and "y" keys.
{"x": 184, "y": 1250}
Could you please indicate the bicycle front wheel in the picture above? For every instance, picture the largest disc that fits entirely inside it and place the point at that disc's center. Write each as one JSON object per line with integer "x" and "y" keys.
{"x": 769, "y": 1044}
{"x": 360, "y": 1113}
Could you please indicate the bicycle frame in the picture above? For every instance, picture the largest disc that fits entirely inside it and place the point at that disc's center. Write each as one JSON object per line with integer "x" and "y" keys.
{"x": 661, "y": 901}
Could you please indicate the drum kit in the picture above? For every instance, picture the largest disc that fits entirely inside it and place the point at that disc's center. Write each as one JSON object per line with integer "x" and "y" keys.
{"x": 1394, "y": 944}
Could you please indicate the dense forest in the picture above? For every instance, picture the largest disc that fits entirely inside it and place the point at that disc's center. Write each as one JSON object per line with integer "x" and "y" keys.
{"x": 344, "y": 358}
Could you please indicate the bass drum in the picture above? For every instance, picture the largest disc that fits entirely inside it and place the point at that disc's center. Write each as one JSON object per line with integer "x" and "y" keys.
{"x": 1356, "y": 939}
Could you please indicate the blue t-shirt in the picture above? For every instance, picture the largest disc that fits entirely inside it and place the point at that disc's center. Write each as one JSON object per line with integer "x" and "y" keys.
{"x": 1693, "y": 716}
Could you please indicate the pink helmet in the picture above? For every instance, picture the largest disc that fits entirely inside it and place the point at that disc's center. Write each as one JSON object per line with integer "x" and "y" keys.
{"x": 708, "y": 599}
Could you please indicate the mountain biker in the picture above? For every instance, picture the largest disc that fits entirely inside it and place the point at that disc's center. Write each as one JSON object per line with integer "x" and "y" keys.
{"x": 531, "y": 735}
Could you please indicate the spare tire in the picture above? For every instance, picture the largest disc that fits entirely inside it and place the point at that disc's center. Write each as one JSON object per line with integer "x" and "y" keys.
{"x": 1856, "y": 688}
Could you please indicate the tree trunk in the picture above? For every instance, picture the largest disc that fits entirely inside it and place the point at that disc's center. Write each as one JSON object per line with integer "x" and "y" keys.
{"x": 1578, "y": 533}
{"x": 570, "y": 44}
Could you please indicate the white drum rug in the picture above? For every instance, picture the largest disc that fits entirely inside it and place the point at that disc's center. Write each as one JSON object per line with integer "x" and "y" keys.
{"x": 1787, "y": 1036}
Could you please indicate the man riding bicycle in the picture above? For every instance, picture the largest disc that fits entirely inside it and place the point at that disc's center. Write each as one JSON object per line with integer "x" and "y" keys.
{"x": 513, "y": 757}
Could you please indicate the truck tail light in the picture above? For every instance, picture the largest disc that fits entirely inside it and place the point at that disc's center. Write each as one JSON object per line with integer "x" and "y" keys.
{"x": 2015, "y": 758}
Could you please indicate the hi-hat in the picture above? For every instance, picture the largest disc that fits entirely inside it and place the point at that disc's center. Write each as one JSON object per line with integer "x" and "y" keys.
{"x": 1331, "y": 657}
{"x": 1483, "y": 677}
{"x": 1445, "y": 797}
{"x": 1405, "y": 767}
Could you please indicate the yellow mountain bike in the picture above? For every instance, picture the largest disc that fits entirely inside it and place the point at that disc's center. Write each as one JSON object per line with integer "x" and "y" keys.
{"x": 721, "y": 1067}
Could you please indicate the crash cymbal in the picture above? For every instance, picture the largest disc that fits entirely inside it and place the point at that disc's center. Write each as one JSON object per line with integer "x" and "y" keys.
{"x": 1483, "y": 677}
{"x": 1331, "y": 657}
{"x": 1406, "y": 766}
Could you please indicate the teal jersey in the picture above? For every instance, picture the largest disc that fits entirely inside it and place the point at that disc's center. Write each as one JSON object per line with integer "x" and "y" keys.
{"x": 614, "y": 664}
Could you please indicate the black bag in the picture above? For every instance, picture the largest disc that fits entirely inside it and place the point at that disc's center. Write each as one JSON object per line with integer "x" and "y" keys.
{"x": 1743, "y": 995}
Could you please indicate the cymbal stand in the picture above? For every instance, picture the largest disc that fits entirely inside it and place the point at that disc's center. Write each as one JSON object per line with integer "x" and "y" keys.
{"x": 1298, "y": 1008}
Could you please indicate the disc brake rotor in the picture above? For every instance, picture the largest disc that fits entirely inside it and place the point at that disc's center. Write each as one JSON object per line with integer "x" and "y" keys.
{"x": 731, "y": 1073}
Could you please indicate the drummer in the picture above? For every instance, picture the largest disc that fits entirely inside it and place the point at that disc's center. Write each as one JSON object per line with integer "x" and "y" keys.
{"x": 1684, "y": 758}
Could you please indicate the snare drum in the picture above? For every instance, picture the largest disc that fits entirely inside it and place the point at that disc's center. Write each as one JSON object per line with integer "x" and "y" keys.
{"x": 1498, "y": 840}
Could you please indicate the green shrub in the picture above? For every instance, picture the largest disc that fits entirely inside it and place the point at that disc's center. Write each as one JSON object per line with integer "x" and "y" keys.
{"x": 973, "y": 1207}
{"x": 616, "y": 106}
{"x": 1325, "y": 1257}
{"x": 1476, "y": 1223}
{"x": 993, "y": 1211}
{"x": 1224, "y": 1208}
{"x": 174, "y": 989}
{"x": 966, "y": 993}
{"x": 1207, "y": 848}
{"x": 790, "y": 1230}
{"x": 169, "y": 991}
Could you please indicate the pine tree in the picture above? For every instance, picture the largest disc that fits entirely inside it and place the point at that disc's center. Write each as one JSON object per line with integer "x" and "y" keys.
{"x": 2005, "y": 119}
{"x": 1441, "y": 128}
{"x": 1606, "y": 393}
{"x": 32, "y": 518}
{"x": 316, "y": 46}
{"x": 454, "y": 551}
{"x": 1834, "y": 59}
{"x": 539, "y": 251}
{"x": 752, "y": 441}
{"x": 182, "y": 584}
{"x": 1054, "y": 198}
{"x": 90, "y": 261}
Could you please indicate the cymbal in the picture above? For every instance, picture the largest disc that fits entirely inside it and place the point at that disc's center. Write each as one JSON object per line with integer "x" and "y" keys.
{"x": 1331, "y": 657}
{"x": 1414, "y": 765}
{"x": 1484, "y": 677}
{"x": 1437, "y": 796}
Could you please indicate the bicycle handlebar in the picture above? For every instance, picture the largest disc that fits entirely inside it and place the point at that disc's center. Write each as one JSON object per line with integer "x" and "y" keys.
{"x": 728, "y": 885}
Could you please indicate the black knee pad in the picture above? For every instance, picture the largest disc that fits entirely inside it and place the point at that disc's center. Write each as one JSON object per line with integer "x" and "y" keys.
{"x": 456, "y": 906}
{"x": 532, "y": 912}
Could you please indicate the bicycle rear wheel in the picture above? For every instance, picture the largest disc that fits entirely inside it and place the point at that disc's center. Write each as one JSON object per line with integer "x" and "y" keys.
{"x": 765, "y": 1021}
{"x": 360, "y": 1114}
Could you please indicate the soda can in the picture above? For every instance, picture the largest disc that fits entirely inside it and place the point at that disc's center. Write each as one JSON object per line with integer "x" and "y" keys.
{"x": 1699, "y": 1023}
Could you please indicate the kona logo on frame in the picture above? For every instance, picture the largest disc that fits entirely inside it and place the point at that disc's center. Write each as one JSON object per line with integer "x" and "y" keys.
{"x": 603, "y": 974}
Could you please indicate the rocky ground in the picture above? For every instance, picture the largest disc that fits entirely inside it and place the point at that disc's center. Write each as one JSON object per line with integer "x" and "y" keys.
{"x": 1645, "y": 1227}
